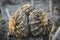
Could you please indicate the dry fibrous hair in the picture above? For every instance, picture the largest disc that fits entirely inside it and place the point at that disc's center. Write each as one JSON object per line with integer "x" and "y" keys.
{"x": 45, "y": 23}
{"x": 18, "y": 22}
{"x": 43, "y": 19}
{"x": 29, "y": 20}
{"x": 39, "y": 23}
{"x": 34, "y": 22}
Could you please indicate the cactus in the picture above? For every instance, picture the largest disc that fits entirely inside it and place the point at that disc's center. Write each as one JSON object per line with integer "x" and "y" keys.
{"x": 29, "y": 20}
